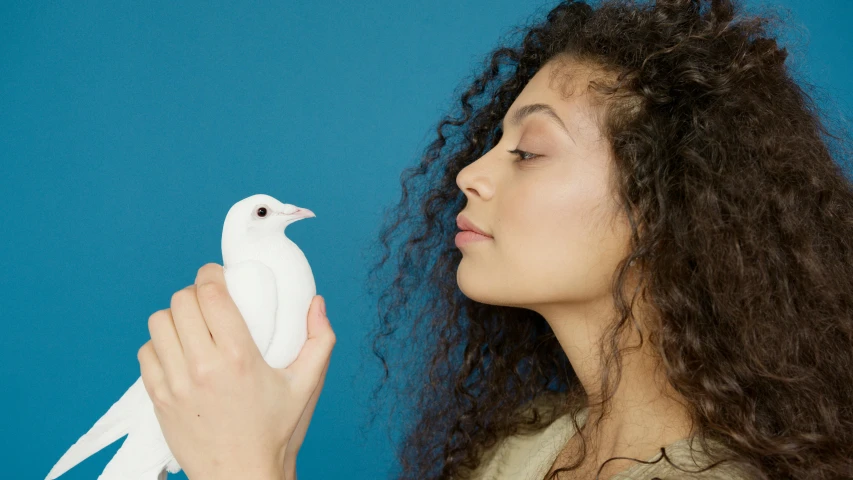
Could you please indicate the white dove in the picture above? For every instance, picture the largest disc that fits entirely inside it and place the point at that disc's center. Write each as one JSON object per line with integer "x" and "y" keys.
{"x": 272, "y": 284}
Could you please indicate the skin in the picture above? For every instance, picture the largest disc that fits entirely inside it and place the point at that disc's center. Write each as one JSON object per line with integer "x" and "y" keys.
{"x": 558, "y": 237}
{"x": 225, "y": 413}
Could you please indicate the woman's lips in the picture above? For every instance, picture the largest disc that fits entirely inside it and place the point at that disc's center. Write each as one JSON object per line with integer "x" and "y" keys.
{"x": 466, "y": 236}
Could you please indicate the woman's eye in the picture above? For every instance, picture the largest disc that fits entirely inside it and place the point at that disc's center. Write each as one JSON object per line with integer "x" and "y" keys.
{"x": 523, "y": 156}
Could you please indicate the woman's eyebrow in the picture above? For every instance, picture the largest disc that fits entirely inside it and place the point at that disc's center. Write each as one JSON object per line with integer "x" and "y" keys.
{"x": 526, "y": 110}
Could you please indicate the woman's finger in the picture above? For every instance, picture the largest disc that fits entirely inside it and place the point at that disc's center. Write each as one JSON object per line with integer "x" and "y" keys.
{"x": 189, "y": 323}
{"x": 150, "y": 370}
{"x": 168, "y": 347}
{"x": 316, "y": 353}
{"x": 224, "y": 321}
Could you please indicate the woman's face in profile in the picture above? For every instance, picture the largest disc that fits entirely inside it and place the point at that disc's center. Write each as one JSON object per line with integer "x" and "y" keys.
{"x": 557, "y": 233}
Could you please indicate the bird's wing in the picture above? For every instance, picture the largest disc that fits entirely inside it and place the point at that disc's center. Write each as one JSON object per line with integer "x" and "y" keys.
{"x": 251, "y": 285}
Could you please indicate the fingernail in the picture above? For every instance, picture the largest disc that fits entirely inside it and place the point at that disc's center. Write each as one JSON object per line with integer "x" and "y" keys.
{"x": 323, "y": 306}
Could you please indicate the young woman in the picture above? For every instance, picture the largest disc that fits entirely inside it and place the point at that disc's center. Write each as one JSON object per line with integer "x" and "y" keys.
{"x": 661, "y": 286}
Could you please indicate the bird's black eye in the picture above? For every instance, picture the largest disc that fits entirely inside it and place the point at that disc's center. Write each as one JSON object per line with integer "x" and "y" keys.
{"x": 262, "y": 212}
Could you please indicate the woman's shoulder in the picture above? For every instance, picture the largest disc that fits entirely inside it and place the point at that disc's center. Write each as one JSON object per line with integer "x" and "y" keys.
{"x": 529, "y": 453}
{"x": 687, "y": 460}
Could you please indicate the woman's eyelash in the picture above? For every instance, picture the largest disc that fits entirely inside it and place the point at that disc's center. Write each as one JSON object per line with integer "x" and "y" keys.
{"x": 521, "y": 154}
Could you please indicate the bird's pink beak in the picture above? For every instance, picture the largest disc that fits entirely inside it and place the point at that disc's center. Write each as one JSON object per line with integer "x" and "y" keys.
{"x": 303, "y": 213}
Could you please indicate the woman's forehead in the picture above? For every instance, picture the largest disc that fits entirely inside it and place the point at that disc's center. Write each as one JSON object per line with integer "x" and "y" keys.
{"x": 562, "y": 86}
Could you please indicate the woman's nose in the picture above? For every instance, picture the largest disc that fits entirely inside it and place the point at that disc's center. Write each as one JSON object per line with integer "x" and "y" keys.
{"x": 474, "y": 180}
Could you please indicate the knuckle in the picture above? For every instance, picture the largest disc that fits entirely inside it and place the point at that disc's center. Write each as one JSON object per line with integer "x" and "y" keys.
{"x": 206, "y": 269}
{"x": 157, "y": 317}
{"x": 235, "y": 355}
{"x": 159, "y": 394}
{"x": 180, "y": 390}
{"x": 181, "y": 296}
{"x": 208, "y": 290}
{"x": 210, "y": 266}
{"x": 200, "y": 372}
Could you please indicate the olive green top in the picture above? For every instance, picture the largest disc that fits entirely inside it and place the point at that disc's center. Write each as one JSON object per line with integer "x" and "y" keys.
{"x": 530, "y": 457}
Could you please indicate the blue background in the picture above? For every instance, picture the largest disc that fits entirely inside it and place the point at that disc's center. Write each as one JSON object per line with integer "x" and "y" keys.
{"x": 129, "y": 128}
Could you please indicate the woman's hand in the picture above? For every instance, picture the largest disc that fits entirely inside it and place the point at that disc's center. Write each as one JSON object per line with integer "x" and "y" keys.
{"x": 225, "y": 413}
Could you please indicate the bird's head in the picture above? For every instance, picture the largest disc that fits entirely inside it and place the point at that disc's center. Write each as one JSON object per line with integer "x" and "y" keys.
{"x": 264, "y": 214}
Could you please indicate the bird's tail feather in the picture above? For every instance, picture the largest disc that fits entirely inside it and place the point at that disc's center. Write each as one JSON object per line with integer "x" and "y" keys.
{"x": 143, "y": 456}
{"x": 113, "y": 425}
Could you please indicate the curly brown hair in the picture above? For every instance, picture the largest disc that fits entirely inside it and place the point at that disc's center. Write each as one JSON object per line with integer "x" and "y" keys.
{"x": 741, "y": 218}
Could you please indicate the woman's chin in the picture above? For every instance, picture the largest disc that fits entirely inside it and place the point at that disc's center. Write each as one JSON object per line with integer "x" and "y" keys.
{"x": 473, "y": 288}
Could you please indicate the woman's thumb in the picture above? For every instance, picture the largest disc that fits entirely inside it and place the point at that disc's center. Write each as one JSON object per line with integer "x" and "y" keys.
{"x": 318, "y": 324}
{"x": 308, "y": 366}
